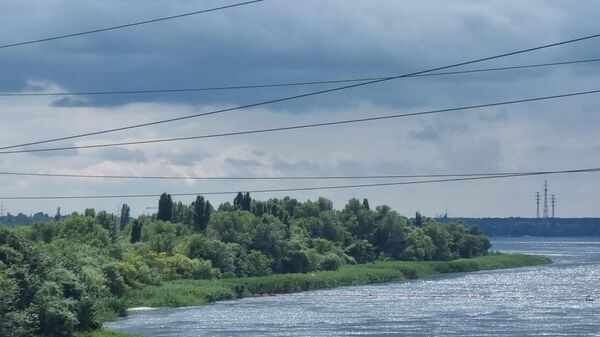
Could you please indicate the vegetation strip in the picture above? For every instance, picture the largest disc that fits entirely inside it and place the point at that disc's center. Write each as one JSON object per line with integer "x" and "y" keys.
{"x": 197, "y": 292}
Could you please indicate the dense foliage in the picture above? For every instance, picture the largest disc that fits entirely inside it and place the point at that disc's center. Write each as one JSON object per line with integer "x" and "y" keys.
{"x": 71, "y": 274}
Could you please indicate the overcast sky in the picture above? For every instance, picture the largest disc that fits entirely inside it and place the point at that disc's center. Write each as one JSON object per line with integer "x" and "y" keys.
{"x": 286, "y": 41}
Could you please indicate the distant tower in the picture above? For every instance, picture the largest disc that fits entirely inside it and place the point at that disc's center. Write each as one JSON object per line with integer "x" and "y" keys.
{"x": 537, "y": 203}
{"x": 1, "y": 209}
{"x": 553, "y": 200}
{"x": 545, "y": 199}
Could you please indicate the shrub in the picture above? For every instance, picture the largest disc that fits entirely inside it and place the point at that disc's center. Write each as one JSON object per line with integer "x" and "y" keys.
{"x": 256, "y": 264}
{"x": 331, "y": 262}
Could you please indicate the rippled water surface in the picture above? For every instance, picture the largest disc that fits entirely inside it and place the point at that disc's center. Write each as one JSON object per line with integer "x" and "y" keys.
{"x": 537, "y": 301}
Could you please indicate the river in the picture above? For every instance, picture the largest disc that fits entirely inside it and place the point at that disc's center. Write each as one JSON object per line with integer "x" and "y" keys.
{"x": 536, "y": 301}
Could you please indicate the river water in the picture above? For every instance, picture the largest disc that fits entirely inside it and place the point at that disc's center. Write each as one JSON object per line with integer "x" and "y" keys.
{"x": 536, "y": 301}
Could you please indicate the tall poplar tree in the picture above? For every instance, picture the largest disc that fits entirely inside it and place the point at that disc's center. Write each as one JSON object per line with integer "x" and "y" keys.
{"x": 124, "y": 221}
{"x": 136, "y": 231}
{"x": 165, "y": 208}
{"x": 202, "y": 211}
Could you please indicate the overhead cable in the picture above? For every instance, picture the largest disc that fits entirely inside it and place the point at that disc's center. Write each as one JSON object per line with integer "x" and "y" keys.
{"x": 295, "y": 97}
{"x": 305, "y": 177}
{"x": 138, "y": 23}
{"x": 301, "y": 189}
{"x": 279, "y": 85}
{"x": 303, "y": 126}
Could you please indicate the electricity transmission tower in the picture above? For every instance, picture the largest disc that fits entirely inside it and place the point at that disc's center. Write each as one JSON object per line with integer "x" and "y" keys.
{"x": 545, "y": 199}
{"x": 537, "y": 202}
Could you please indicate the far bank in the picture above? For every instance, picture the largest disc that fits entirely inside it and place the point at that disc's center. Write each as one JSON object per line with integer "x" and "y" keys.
{"x": 537, "y": 227}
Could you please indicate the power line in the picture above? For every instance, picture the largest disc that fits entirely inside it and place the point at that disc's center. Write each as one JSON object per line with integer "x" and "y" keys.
{"x": 305, "y": 126}
{"x": 310, "y": 94}
{"x": 331, "y": 177}
{"x": 139, "y": 23}
{"x": 278, "y": 85}
{"x": 298, "y": 189}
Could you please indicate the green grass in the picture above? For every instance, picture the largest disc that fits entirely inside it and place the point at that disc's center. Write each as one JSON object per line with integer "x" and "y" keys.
{"x": 103, "y": 333}
{"x": 197, "y": 292}
{"x": 418, "y": 269}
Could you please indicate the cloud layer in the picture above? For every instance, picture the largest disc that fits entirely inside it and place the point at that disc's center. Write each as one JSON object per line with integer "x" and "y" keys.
{"x": 282, "y": 41}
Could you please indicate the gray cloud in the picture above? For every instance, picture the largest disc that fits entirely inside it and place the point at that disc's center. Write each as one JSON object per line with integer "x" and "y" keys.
{"x": 69, "y": 101}
{"x": 283, "y": 41}
{"x": 123, "y": 155}
{"x": 249, "y": 166}
{"x": 428, "y": 133}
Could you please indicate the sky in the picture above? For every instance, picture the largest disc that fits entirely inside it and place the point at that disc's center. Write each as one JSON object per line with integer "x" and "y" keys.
{"x": 278, "y": 41}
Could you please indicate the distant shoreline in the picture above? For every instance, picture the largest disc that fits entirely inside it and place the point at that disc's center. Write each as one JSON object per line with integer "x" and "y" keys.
{"x": 535, "y": 227}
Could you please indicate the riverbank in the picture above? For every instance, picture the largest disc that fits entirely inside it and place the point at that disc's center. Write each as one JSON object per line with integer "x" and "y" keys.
{"x": 103, "y": 333}
{"x": 197, "y": 292}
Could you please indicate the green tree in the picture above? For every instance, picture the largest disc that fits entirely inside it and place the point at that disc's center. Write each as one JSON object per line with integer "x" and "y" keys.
{"x": 202, "y": 211}
{"x": 442, "y": 241}
{"x": 256, "y": 264}
{"x": 89, "y": 212}
{"x": 366, "y": 204}
{"x": 416, "y": 245}
{"x": 57, "y": 217}
{"x": 163, "y": 236}
{"x": 165, "y": 208}
{"x": 296, "y": 261}
{"x": 231, "y": 226}
{"x": 390, "y": 233}
{"x": 220, "y": 254}
{"x": 242, "y": 201}
{"x": 330, "y": 262}
{"x": 182, "y": 213}
{"x": 268, "y": 236}
{"x": 125, "y": 213}
{"x": 418, "y": 220}
{"x": 136, "y": 232}
{"x": 108, "y": 222}
{"x": 361, "y": 250}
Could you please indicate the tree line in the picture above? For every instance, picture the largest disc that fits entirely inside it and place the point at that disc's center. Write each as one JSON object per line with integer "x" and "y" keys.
{"x": 73, "y": 273}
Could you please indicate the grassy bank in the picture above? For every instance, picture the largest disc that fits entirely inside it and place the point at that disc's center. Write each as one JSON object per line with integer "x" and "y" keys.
{"x": 197, "y": 292}
{"x": 103, "y": 333}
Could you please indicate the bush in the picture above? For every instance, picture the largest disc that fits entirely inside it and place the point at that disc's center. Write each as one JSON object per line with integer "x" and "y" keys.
{"x": 201, "y": 269}
{"x": 331, "y": 262}
{"x": 256, "y": 264}
{"x": 296, "y": 262}
{"x": 362, "y": 251}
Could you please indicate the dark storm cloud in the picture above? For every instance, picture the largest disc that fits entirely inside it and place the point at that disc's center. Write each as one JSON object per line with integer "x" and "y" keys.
{"x": 294, "y": 41}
